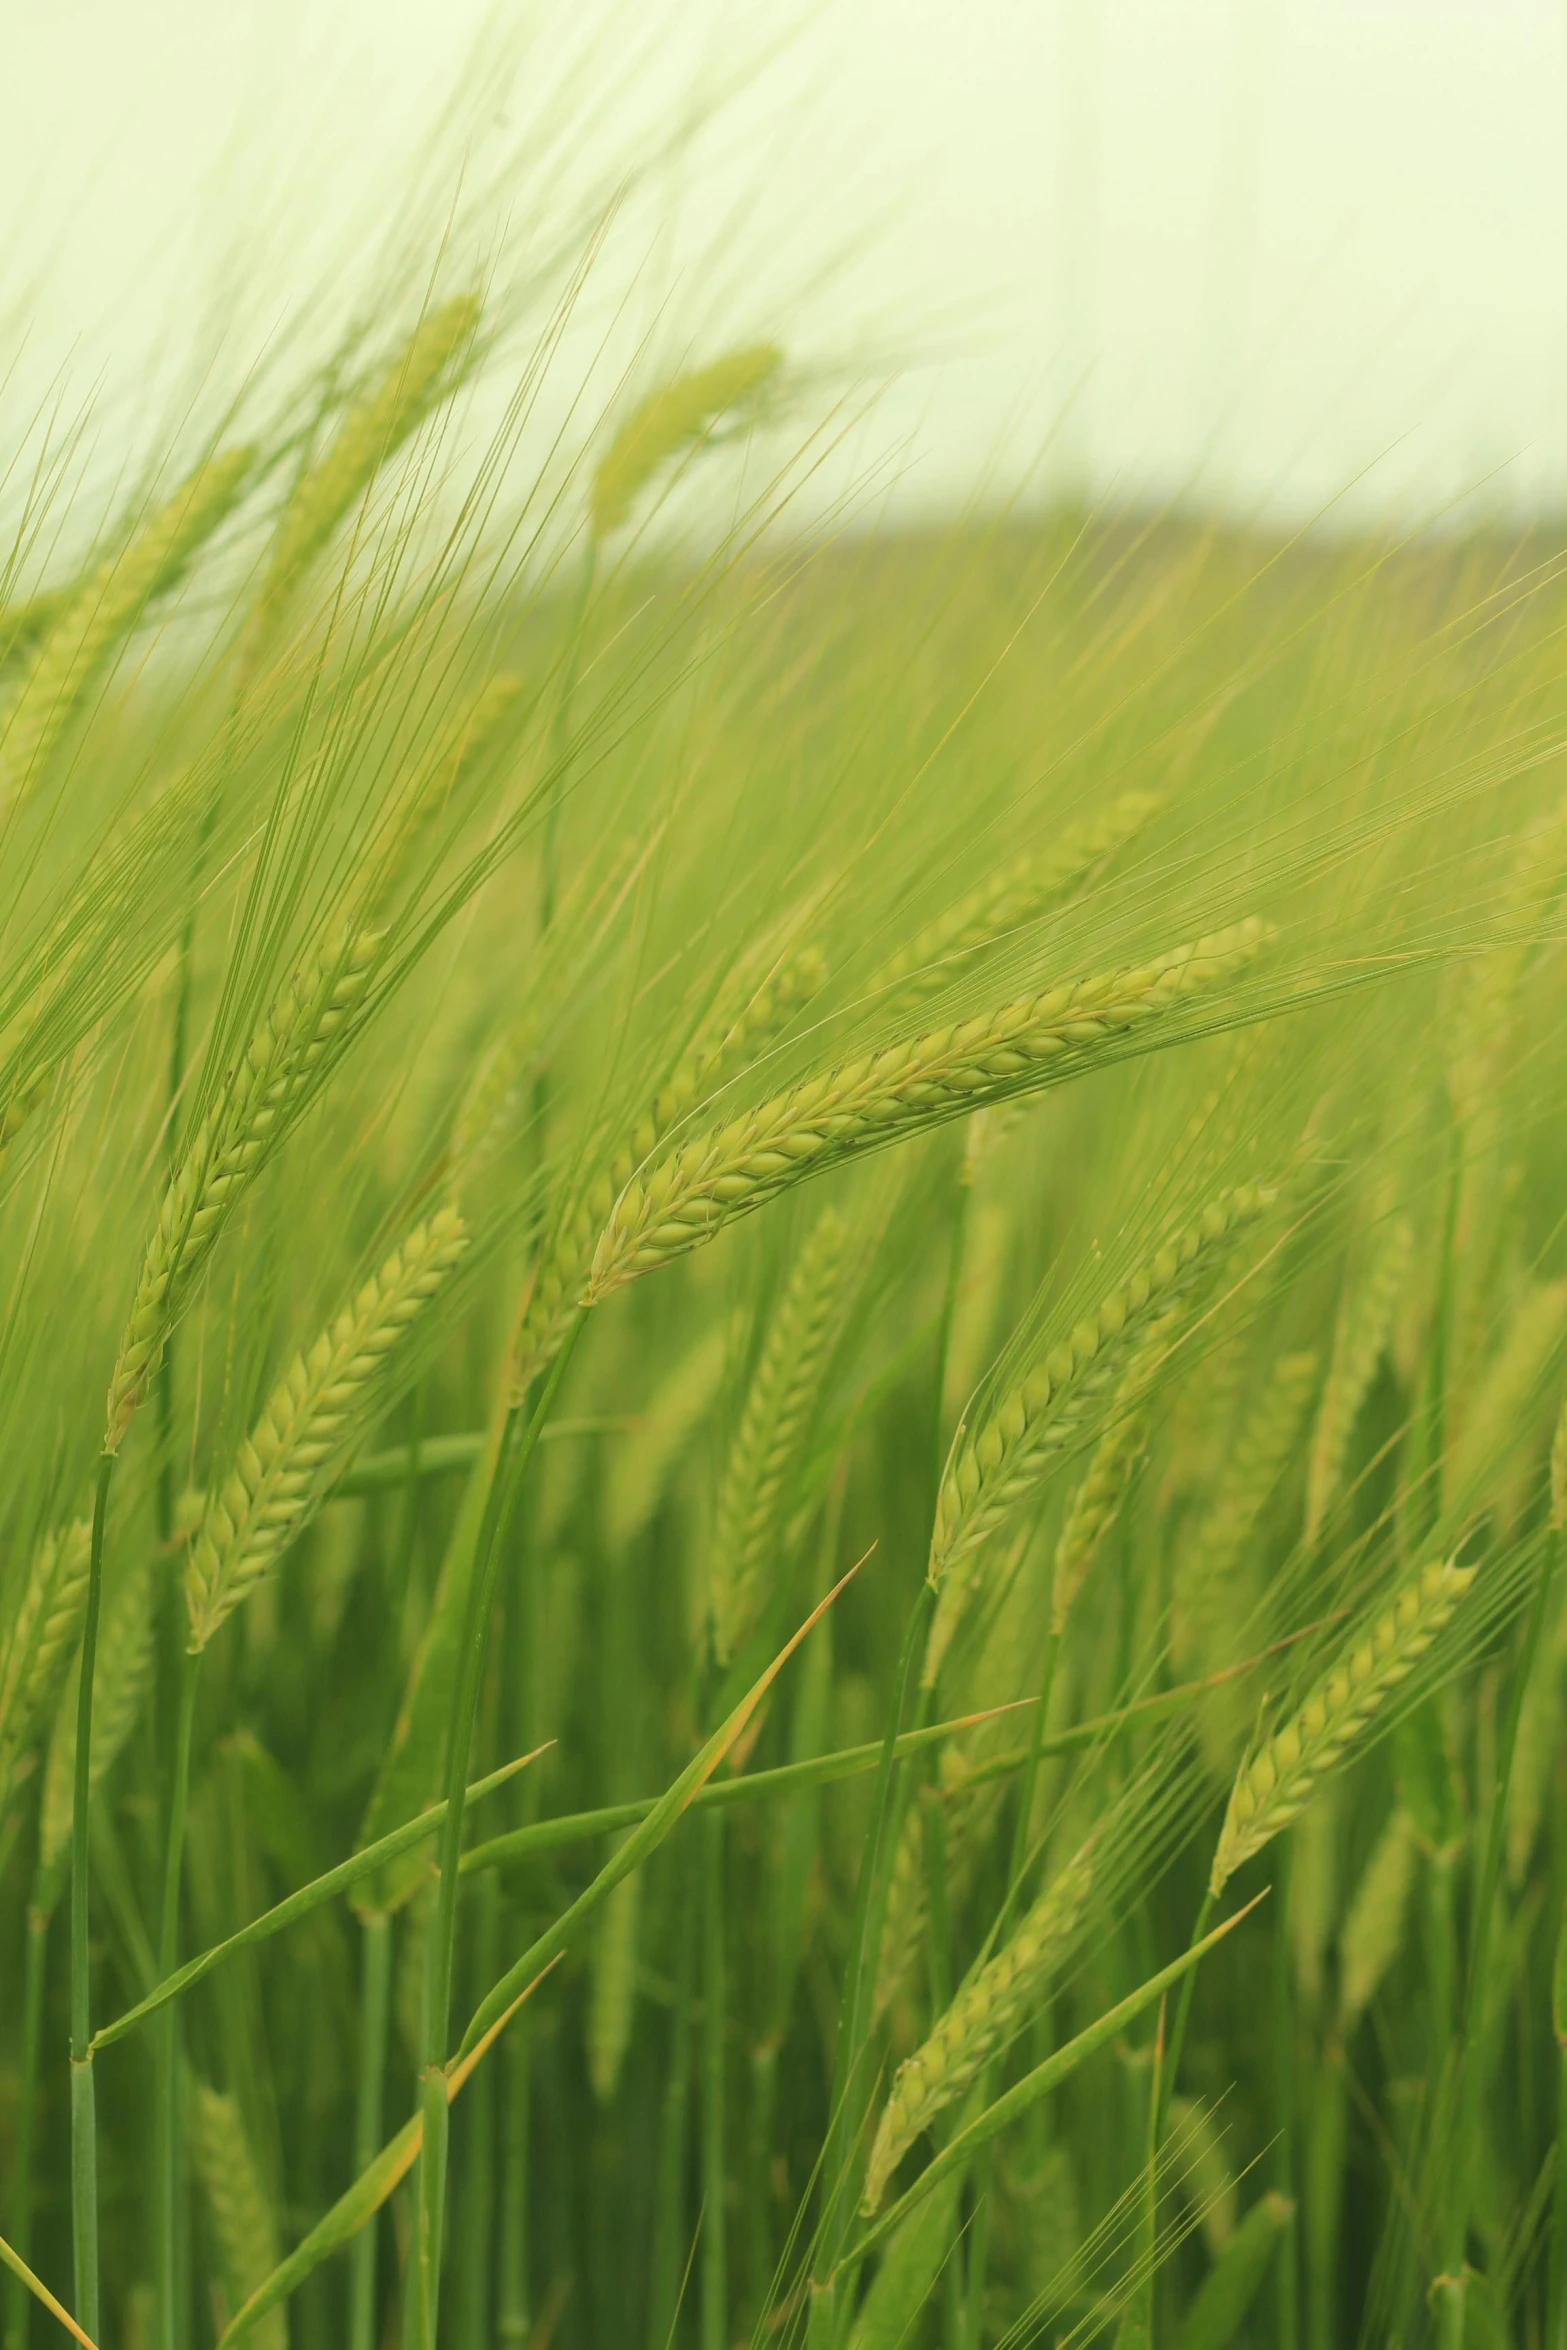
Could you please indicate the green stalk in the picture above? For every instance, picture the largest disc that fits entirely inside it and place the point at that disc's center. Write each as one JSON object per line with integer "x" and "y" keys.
{"x": 478, "y": 2191}
{"x": 715, "y": 2271}
{"x": 669, "y": 2213}
{"x": 1324, "y": 2199}
{"x": 939, "y": 1917}
{"x": 375, "y": 1988}
{"x": 516, "y": 1451}
{"x": 1287, "y": 2275}
{"x": 19, "y": 2300}
{"x": 1183, "y": 2008}
{"x": 830, "y": 2291}
{"x": 512, "y": 2323}
{"x": 166, "y": 2156}
{"x": 1556, "y": 2281}
{"x": 1472, "y": 2026}
{"x": 84, "y": 2119}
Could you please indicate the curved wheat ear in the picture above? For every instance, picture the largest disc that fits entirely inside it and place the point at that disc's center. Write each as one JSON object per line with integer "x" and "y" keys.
{"x": 242, "y": 2216}
{"x": 904, "y": 1089}
{"x": 1019, "y": 892}
{"x": 1365, "y": 1323}
{"x": 1276, "y": 1785}
{"x": 1096, "y": 1504}
{"x": 101, "y": 613}
{"x": 27, "y": 618}
{"x": 463, "y": 746}
{"x": 228, "y": 1150}
{"x": 674, "y": 420}
{"x": 982, "y": 2018}
{"x": 1206, "y": 1600}
{"x": 120, "y": 1684}
{"x": 286, "y": 1464}
{"x": 1488, "y": 1018}
{"x": 998, "y": 1468}
{"x": 726, "y": 1043}
{"x": 965, "y": 1805}
{"x": 613, "y": 1991}
{"x": 1373, "y": 1931}
{"x": 754, "y": 1495}
{"x": 425, "y": 372}
{"x": 1499, "y": 1413}
{"x": 42, "y": 1637}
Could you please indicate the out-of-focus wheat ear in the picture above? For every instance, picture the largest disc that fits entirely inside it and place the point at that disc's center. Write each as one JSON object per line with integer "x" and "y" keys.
{"x": 244, "y": 2226}
{"x": 124, "y": 1670}
{"x": 1016, "y": 894}
{"x": 228, "y": 1150}
{"x": 412, "y": 385}
{"x": 1373, "y": 1931}
{"x": 42, "y": 1637}
{"x": 1274, "y": 1786}
{"x": 1506, "y": 1398}
{"x": 463, "y": 748}
{"x": 613, "y": 1989}
{"x": 997, "y": 1468}
{"x": 104, "y": 610}
{"x": 1489, "y": 1014}
{"x": 1360, "y": 1339}
{"x": 707, "y": 1183}
{"x": 24, "y": 619}
{"x": 981, "y": 2020}
{"x": 755, "y": 1492}
{"x": 1094, "y": 1508}
{"x": 286, "y": 1465}
{"x": 672, "y": 421}
{"x": 743, "y": 1022}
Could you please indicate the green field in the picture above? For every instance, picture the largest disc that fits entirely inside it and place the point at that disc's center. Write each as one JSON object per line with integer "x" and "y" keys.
{"x": 890, "y": 1204}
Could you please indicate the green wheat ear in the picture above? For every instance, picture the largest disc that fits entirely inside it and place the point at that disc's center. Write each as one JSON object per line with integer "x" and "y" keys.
{"x": 242, "y": 2218}
{"x": 1276, "y": 1784}
{"x": 674, "y": 420}
{"x": 287, "y": 1464}
{"x": 42, "y": 1638}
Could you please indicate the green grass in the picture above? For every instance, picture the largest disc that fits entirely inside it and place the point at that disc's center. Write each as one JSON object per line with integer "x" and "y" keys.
{"x": 1003, "y": 1085}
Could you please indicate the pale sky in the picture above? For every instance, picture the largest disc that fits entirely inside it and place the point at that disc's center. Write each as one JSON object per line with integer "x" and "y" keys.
{"x": 1274, "y": 252}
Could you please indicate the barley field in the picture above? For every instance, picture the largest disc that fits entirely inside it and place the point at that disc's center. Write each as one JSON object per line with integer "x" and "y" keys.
{"x": 783, "y": 1332}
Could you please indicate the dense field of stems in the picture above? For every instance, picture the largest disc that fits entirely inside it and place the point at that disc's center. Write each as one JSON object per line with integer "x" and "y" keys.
{"x": 780, "y": 1325}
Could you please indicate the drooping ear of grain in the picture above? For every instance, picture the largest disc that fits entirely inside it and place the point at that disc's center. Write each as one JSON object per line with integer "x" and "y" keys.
{"x": 754, "y": 1495}
{"x": 1018, "y": 893}
{"x": 388, "y": 413}
{"x": 1360, "y": 1338}
{"x": 125, "y": 1656}
{"x": 288, "y": 1461}
{"x": 704, "y": 1185}
{"x": 612, "y": 1988}
{"x": 243, "y": 2223}
{"x": 231, "y": 1145}
{"x": 41, "y": 1639}
{"x": 981, "y": 2020}
{"x": 735, "y": 1033}
{"x": 674, "y": 420}
{"x": 1373, "y": 1931}
{"x": 997, "y": 1468}
{"x": 103, "y": 612}
{"x": 1277, "y": 1783}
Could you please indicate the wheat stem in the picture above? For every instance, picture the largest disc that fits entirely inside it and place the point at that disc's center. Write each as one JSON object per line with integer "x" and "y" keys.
{"x": 166, "y": 2054}
{"x": 84, "y": 2123}
{"x": 19, "y": 2301}
{"x": 715, "y": 2256}
{"x": 375, "y": 1985}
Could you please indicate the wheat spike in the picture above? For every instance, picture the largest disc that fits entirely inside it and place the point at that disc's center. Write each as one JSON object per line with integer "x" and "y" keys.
{"x": 1207, "y": 1605}
{"x": 646, "y": 1458}
{"x": 981, "y": 2020}
{"x": 903, "y": 1089}
{"x": 26, "y": 618}
{"x": 613, "y": 1990}
{"x": 754, "y": 1495}
{"x": 964, "y": 1804}
{"x": 38, "y": 1646}
{"x": 286, "y": 1464}
{"x": 1009, "y": 898}
{"x": 242, "y": 2218}
{"x": 1365, "y": 1324}
{"x": 1499, "y": 1412}
{"x": 675, "y": 419}
{"x": 124, "y": 1669}
{"x": 1274, "y": 1786}
{"x": 1373, "y": 1929}
{"x": 463, "y": 746}
{"x": 104, "y": 610}
{"x": 1488, "y": 1017}
{"x": 1096, "y": 1504}
{"x": 229, "y": 1149}
{"x": 727, "y": 1042}
{"x": 411, "y": 386}
{"x": 999, "y": 1466}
